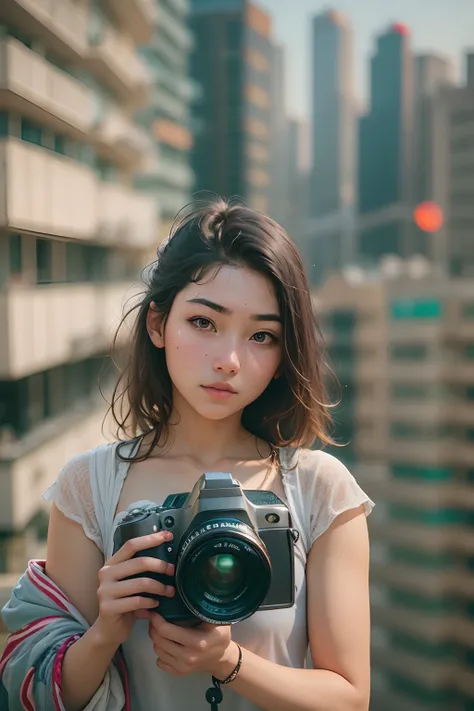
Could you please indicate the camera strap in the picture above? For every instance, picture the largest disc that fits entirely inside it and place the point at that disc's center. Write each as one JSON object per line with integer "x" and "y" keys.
{"x": 214, "y": 695}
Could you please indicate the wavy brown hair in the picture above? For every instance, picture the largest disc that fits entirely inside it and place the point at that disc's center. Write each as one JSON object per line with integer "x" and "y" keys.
{"x": 294, "y": 409}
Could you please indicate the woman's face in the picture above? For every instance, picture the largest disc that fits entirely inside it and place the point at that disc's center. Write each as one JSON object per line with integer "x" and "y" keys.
{"x": 224, "y": 332}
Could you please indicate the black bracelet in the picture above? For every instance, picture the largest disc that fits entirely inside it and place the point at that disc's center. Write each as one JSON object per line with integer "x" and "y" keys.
{"x": 231, "y": 676}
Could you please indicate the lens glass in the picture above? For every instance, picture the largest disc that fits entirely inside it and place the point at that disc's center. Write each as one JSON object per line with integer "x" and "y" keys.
{"x": 223, "y": 576}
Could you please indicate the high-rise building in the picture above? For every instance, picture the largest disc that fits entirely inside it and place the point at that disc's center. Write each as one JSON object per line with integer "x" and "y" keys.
{"x": 432, "y": 73}
{"x": 166, "y": 174}
{"x": 279, "y": 205}
{"x": 328, "y": 232}
{"x": 73, "y": 234}
{"x": 333, "y": 138}
{"x": 452, "y": 140}
{"x": 404, "y": 351}
{"x": 385, "y": 151}
{"x": 232, "y": 62}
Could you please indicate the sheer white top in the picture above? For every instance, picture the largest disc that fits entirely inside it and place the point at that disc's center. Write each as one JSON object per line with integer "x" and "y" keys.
{"x": 318, "y": 487}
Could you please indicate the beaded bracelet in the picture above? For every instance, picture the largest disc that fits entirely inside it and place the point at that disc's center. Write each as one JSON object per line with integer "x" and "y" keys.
{"x": 214, "y": 695}
{"x": 231, "y": 676}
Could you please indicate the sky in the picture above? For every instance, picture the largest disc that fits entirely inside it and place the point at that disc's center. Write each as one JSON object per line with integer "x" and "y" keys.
{"x": 443, "y": 26}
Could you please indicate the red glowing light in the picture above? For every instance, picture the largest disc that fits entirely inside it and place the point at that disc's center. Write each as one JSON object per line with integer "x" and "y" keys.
{"x": 428, "y": 216}
{"x": 400, "y": 29}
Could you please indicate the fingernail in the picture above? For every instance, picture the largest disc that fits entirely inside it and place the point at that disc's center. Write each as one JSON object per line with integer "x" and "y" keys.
{"x": 170, "y": 570}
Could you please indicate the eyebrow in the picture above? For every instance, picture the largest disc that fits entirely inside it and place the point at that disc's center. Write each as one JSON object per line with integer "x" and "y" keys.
{"x": 225, "y": 310}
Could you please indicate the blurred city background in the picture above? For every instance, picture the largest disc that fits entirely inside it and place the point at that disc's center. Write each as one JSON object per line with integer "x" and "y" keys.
{"x": 356, "y": 132}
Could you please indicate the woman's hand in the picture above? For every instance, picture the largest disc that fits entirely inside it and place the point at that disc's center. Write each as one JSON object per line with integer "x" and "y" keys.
{"x": 184, "y": 650}
{"x": 120, "y": 601}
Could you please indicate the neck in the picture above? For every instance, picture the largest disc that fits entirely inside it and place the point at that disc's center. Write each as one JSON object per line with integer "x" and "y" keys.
{"x": 208, "y": 442}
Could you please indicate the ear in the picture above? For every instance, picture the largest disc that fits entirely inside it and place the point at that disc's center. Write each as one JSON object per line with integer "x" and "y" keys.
{"x": 155, "y": 326}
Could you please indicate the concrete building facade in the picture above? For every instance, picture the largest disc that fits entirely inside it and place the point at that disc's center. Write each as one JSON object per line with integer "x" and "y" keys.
{"x": 403, "y": 349}
{"x": 74, "y": 232}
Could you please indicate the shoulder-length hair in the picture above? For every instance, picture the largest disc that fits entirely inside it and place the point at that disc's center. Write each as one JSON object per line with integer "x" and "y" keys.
{"x": 293, "y": 410}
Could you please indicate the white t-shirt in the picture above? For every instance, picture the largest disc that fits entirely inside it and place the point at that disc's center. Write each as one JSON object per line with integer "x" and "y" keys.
{"x": 318, "y": 487}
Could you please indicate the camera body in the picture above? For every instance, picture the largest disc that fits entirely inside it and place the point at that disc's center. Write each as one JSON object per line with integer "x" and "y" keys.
{"x": 233, "y": 551}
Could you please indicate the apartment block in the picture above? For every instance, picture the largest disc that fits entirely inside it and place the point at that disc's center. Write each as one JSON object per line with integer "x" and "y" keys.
{"x": 166, "y": 174}
{"x": 403, "y": 348}
{"x": 385, "y": 159}
{"x": 452, "y": 140}
{"x": 74, "y": 232}
{"x": 232, "y": 62}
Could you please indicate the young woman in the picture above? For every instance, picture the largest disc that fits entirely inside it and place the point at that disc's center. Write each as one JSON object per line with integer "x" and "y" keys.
{"x": 225, "y": 374}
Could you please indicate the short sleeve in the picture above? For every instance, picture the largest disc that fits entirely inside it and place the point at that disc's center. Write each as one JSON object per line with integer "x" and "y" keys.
{"x": 329, "y": 489}
{"x": 72, "y": 494}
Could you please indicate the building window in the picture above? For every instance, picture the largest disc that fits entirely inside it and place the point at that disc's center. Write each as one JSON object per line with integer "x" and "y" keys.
{"x": 409, "y": 430}
{"x": 427, "y": 516}
{"x": 31, "y": 132}
{"x": 408, "y": 352}
{"x": 413, "y": 391}
{"x": 28, "y": 402}
{"x": 4, "y": 121}
{"x": 409, "y": 471}
{"x": 468, "y": 310}
{"x": 416, "y": 309}
{"x": 43, "y": 261}
{"x": 18, "y": 34}
{"x": 434, "y": 560}
{"x": 59, "y": 145}
{"x": 16, "y": 262}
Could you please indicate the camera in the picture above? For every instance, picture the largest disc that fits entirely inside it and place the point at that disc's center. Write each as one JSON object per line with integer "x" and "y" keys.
{"x": 233, "y": 551}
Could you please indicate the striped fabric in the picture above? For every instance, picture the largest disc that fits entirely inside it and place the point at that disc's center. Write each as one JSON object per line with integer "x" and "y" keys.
{"x": 43, "y": 624}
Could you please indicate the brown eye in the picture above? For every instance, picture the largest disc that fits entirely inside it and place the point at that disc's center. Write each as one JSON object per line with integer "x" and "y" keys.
{"x": 201, "y": 323}
{"x": 262, "y": 335}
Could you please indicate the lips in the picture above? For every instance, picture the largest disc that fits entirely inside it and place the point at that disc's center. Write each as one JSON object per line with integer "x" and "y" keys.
{"x": 224, "y": 387}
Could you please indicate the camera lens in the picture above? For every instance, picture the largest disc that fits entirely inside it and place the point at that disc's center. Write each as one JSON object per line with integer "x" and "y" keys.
{"x": 223, "y": 571}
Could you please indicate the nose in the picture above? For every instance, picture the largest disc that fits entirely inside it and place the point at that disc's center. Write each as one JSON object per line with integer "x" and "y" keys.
{"x": 227, "y": 362}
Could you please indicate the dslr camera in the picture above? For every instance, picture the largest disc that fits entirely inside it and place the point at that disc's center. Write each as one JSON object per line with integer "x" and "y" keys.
{"x": 233, "y": 551}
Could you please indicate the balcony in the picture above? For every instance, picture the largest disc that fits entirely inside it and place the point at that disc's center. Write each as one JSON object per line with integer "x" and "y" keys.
{"x": 46, "y": 193}
{"x": 430, "y": 582}
{"x": 430, "y": 627}
{"x": 45, "y": 326}
{"x": 167, "y": 49}
{"x": 35, "y": 88}
{"x": 118, "y": 138}
{"x": 430, "y": 538}
{"x": 138, "y": 17}
{"x": 427, "y": 371}
{"x": 114, "y": 59}
{"x": 176, "y": 30}
{"x": 411, "y": 578}
{"x": 420, "y": 451}
{"x": 34, "y": 465}
{"x": 423, "y": 493}
{"x": 56, "y": 196}
{"x": 126, "y": 217}
{"x": 434, "y": 674}
{"x": 60, "y": 24}
{"x": 430, "y": 412}
{"x": 166, "y": 102}
{"x": 174, "y": 174}
{"x": 460, "y": 371}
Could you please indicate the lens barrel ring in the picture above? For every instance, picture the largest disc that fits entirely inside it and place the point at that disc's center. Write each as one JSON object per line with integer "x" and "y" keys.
{"x": 228, "y": 537}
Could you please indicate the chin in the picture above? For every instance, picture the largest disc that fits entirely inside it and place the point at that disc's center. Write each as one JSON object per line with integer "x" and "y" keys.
{"x": 216, "y": 413}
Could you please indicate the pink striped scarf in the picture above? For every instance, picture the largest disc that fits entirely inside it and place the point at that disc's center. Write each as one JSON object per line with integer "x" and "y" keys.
{"x": 43, "y": 623}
